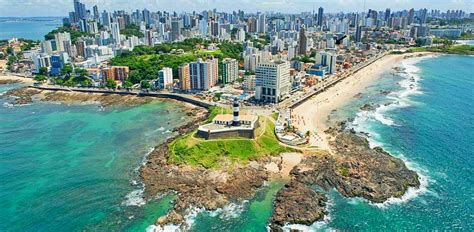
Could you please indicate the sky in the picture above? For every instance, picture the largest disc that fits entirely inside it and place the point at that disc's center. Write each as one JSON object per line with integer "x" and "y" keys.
{"x": 24, "y": 8}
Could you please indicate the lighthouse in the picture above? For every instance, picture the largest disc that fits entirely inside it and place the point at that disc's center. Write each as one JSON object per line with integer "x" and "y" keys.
{"x": 235, "y": 106}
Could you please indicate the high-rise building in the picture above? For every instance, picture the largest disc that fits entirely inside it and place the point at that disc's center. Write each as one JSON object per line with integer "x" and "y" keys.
{"x": 146, "y": 17}
{"x": 303, "y": 41}
{"x": 184, "y": 79}
{"x": 149, "y": 38}
{"x": 175, "y": 29}
{"x": 320, "y": 16}
{"x": 272, "y": 81}
{"x": 358, "y": 36}
{"x": 252, "y": 25}
{"x": 115, "y": 28}
{"x": 229, "y": 70}
{"x": 327, "y": 59}
{"x": 262, "y": 23}
{"x": 79, "y": 11}
{"x": 203, "y": 74}
{"x": 240, "y": 35}
{"x": 106, "y": 19}
{"x": 387, "y": 14}
{"x": 96, "y": 12}
{"x": 165, "y": 78}
{"x": 63, "y": 40}
{"x": 411, "y": 16}
{"x": 423, "y": 16}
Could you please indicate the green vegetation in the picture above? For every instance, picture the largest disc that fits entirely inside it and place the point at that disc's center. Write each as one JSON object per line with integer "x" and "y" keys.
{"x": 75, "y": 34}
{"x": 28, "y": 44}
{"x": 111, "y": 84}
{"x": 344, "y": 171}
{"x": 213, "y": 153}
{"x": 214, "y": 111}
{"x": 145, "y": 85}
{"x": 145, "y": 61}
{"x": 275, "y": 115}
{"x": 40, "y": 78}
{"x": 461, "y": 49}
{"x": 132, "y": 30}
{"x": 231, "y": 50}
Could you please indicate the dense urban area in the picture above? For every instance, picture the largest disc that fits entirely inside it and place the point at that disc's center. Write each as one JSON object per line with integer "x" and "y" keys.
{"x": 264, "y": 58}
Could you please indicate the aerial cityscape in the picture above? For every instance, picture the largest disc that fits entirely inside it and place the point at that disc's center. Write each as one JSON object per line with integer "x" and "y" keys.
{"x": 246, "y": 116}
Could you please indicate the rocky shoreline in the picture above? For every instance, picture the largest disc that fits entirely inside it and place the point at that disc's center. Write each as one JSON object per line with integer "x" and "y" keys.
{"x": 26, "y": 95}
{"x": 356, "y": 170}
{"x": 199, "y": 187}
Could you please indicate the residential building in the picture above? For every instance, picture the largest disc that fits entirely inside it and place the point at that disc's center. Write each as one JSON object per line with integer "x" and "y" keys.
{"x": 165, "y": 78}
{"x": 117, "y": 73}
{"x": 203, "y": 74}
{"x": 184, "y": 79}
{"x": 229, "y": 70}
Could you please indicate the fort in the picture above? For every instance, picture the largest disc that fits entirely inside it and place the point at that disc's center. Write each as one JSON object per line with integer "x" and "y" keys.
{"x": 230, "y": 125}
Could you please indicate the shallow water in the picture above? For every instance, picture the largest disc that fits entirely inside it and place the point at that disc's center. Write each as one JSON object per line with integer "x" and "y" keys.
{"x": 68, "y": 168}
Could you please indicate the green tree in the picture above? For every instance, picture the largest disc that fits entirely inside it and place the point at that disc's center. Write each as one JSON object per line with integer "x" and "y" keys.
{"x": 43, "y": 71}
{"x": 145, "y": 84}
{"x": 10, "y": 51}
{"x": 127, "y": 84}
{"x": 66, "y": 70}
{"x": 40, "y": 78}
{"x": 111, "y": 84}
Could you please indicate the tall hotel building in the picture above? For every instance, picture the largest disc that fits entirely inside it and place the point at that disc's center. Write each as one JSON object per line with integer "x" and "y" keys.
{"x": 272, "y": 81}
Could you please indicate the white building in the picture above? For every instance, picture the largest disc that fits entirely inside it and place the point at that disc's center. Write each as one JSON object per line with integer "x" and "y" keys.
{"x": 272, "y": 81}
{"x": 63, "y": 40}
{"x": 115, "y": 28}
{"x": 165, "y": 78}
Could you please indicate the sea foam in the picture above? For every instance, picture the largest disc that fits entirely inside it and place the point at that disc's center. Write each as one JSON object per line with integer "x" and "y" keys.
{"x": 399, "y": 99}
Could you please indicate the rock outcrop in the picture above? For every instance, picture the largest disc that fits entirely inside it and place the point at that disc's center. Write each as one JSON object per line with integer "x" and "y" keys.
{"x": 355, "y": 170}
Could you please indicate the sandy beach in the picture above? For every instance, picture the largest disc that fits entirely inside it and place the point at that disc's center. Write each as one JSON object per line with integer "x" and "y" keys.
{"x": 11, "y": 77}
{"x": 313, "y": 114}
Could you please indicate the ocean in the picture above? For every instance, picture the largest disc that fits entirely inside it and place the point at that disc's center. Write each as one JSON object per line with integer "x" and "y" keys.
{"x": 33, "y": 28}
{"x": 68, "y": 168}
{"x": 425, "y": 117}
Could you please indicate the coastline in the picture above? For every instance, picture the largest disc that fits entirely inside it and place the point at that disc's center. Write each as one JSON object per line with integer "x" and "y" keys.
{"x": 15, "y": 79}
{"x": 314, "y": 114}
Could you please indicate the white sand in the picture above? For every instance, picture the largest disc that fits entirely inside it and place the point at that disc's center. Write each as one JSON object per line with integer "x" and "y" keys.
{"x": 313, "y": 114}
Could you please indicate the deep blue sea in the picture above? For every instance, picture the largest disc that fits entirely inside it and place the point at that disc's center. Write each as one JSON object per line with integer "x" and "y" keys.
{"x": 68, "y": 168}
{"x": 28, "y": 28}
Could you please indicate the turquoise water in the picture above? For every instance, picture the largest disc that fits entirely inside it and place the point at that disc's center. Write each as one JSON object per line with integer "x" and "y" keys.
{"x": 430, "y": 124}
{"x": 28, "y": 28}
{"x": 68, "y": 168}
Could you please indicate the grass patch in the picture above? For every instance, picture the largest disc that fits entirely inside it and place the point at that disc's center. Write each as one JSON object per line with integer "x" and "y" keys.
{"x": 213, "y": 153}
{"x": 275, "y": 115}
{"x": 344, "y": 171}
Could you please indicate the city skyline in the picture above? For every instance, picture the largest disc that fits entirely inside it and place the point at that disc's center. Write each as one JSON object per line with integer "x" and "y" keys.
{"x": 24, "y": 8}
